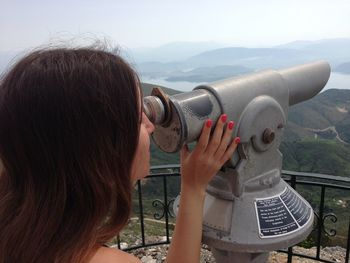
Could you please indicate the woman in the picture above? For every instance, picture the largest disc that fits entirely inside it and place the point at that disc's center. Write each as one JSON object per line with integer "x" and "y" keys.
{"x": 73, "y": 141}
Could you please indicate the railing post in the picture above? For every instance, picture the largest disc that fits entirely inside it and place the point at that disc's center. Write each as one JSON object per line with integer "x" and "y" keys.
{"x": 293, "y": 181}
{"x": 290, "y": 254}
{"x": 290, "y": 249}
{"x": 320, "y": 223}
{"x": 348, "y": 246}
{"x": 118, "y": 241}
{"x": 166, "y": 208}
{"x": 141, "y": 212}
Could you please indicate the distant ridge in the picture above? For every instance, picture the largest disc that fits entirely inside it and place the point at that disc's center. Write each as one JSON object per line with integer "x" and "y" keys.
{"x": 236, "y": 55}
{"x": 173, "y": 51}
{"x": 300, "y": 44}
{"x": 335, "y": 51}
{"x": 343, "y": 68}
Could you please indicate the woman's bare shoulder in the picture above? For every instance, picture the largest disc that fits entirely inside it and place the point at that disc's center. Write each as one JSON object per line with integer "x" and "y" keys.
{"x": 112, "y": 255}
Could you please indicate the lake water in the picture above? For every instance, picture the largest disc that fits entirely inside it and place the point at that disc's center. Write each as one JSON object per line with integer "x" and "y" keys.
{"x": 336, "y": 81}
{"x": 177, "y": 85}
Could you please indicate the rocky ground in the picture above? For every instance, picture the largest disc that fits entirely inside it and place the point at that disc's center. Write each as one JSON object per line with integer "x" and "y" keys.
{"x": 158, "y": 254}
{"x": 333, "y": 254}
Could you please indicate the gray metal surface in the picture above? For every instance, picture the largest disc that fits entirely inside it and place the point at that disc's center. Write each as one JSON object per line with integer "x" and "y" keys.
{"x": 189, "y": 111}
{"x": 236, "y": 257}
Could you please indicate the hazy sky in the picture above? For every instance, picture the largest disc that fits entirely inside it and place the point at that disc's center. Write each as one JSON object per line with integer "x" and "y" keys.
{"x": 143, "y": 23}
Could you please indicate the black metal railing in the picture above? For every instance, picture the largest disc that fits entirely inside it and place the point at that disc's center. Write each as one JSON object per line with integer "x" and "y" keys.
{"x": 153, "y": 218}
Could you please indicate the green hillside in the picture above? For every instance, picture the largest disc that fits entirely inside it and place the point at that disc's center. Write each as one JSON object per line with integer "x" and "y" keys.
{"x": 318, "y": 156}
{"x": 311, "y": 118}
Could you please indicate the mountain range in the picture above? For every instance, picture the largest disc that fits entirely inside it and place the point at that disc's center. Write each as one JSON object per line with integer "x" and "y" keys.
{"x": 181, "y": 61}
{"x": 335, "y": 51}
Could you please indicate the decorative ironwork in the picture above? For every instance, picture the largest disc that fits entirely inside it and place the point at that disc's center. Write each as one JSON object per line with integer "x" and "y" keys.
{"x": 332, "y": 217}
{"x": 171, "y": 208}
{"x": 332, "y": 232}
{"x": 164, "y": 208}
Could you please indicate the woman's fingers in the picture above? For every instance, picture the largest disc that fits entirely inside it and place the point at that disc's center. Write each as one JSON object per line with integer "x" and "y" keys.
{"x": 204, "y": 138}
{"x": 216, "y": 139}
{"x": 218, "y": 145}
{"x": 211, "y": 152}
{"x": 225, "y": 141}
{"x": 184, "y": 152}
{"x": 230, "y": 150}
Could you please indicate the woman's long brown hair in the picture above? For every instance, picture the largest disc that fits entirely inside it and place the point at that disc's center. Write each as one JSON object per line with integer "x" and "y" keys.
{"x": 69, "y": 125}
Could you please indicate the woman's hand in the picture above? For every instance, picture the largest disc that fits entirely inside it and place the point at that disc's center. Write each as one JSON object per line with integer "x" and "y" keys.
{"x": 210, "y": 154}
{"x": 198, "y": 168}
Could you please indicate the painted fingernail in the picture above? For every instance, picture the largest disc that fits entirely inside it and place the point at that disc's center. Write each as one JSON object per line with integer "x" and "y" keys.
{"x": 209, "y": 123}
{"x": 223, "y": 117}
{"x": 230, "y": 125}
{"x": 237, "y": 140}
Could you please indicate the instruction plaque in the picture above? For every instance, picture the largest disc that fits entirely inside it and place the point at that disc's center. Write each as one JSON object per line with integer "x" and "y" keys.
{"x": 282, "y": 214}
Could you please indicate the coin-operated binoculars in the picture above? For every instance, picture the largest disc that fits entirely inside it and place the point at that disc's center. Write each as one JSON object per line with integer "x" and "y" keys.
{"x": 249, "y": 210}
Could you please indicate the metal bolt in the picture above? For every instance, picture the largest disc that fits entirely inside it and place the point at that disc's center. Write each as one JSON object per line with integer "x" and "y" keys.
{"x": 268, "y": 136}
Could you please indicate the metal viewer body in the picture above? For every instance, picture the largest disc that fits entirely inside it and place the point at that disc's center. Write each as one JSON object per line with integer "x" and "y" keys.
{"x": 249, "y": 210}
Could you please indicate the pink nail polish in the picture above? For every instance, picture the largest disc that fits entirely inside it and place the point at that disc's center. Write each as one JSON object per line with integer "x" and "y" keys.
{"x": 237, "y": 140}
{"x": 230, "y": 125}
{"x": 209, "y": 123}
{"x": 223, "y": 117}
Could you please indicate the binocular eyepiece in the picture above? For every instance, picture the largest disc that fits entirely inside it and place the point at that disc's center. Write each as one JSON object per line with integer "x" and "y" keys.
{"x": 155, "y": 109}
